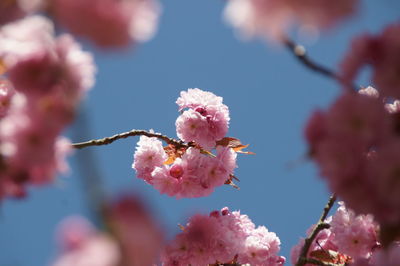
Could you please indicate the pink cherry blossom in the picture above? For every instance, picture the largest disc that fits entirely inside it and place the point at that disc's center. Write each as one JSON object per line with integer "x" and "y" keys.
{"x": 16, "y": 9}
{"x": 223, "y": 237}
{"x": 199, "y": 174}
{"x": 260, "y": 248}
{"x": 342, "y": 141}
{"x": 109, "y": 23}
{"x": 164, "y": 182}
{"x": 388, "y": 257}
{"x": 381, "y": 52}
{"x": 50, "y": 76}
{"x": 83, "y": 246}
{"x": 148, "y": 155}
{"x": 383, "y": 175}
{"x": 23, "y": 38}
{"x": 193, "y": 98}
{"x": 206, "y": 121}
{"x": 139, "y": 236}
{"x": 272, "y": 18}
{"x": 355, "y": 236}
{"x": 53, "y": 73}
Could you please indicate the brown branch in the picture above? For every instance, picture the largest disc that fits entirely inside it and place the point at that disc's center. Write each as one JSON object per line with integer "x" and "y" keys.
{"x": 91, "y": 175}
{"x": 301, "y": 54}
{"x": 132, "y": 133}
{"x": 319, "y": 263}
{"x": 321, "y": 225}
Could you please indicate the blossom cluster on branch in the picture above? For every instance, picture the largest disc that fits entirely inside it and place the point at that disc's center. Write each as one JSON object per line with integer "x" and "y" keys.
{"x": 191, "y": 170}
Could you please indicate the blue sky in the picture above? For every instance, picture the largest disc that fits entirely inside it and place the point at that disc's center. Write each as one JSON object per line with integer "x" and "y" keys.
{"x": 270, "y": 96}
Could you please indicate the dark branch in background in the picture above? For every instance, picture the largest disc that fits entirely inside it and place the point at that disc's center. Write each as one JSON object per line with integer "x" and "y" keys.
{"x": 321, "y": 225}
{"x": 319, "y": 263}
{"x": 301, "y": 54}
{"x": 91, "y": 177}
{"x": 132, "y": 133}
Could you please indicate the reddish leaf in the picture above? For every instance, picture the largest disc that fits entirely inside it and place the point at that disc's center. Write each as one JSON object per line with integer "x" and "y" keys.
{"x": 330, "y": 256}
{"x": 3, "y": 68}
{"x": 173, "y": 153}
{"x": 235, "y": 144}
{"x": 181, "y": 227}
{"x": 230, "y": 181}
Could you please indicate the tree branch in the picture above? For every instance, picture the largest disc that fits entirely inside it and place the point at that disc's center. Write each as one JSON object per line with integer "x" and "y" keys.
{"x": 321, "y": 225}
{"x": 301, "y": 54}
{"x": 132, "y": 133}
{"x": 317, "y": 262}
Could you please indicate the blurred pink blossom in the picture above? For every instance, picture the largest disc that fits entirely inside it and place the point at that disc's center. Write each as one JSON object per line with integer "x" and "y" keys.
{"x": 381, "y": 52}
{"x": 109, "y": 23}
{"x": 223, "y": 237}
{"x": 11, "y": 10}
{"x": 272, "y": 18}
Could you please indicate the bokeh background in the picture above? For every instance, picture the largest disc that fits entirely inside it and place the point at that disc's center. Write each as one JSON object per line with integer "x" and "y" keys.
{"x": 270, "y": 96}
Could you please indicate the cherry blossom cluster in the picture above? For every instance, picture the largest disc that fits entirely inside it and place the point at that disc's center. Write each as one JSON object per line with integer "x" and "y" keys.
{"x": 356, "y": 144}
{"x": 190, "y": 171}
{"x": 206, "y": 119}
{"x": 272, "y": 18}
{"x": 350, "y": 238}
{"x": 108, "y": 23}
{"x": 45, "y": 79}
{"x": 223, "y": 237}
{"x": 134, "y": 238}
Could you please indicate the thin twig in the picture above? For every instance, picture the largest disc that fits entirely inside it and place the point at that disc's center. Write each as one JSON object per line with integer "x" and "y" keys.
{"x": 321, "y": 225}
{"x": 301, "y": 54}
{"x": 91, "y": 174}
{"x": 317, "y": 262}
{"x": 108, "y": 140}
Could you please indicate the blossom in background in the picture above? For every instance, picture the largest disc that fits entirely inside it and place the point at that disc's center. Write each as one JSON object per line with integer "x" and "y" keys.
{"x": 11, "y": 10}
{"x": 382, "y": 53}
{"x": 356, "y": 146}
{"x": 139, "y": 236}
{"x": 223, "y": 237}
{"x": 272, "y": 18}
{"x": 134, "y": 238}
{"x": 50, "y": 75}
{"x": 82, "y": 245}
{"x": 109, "y": 23}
